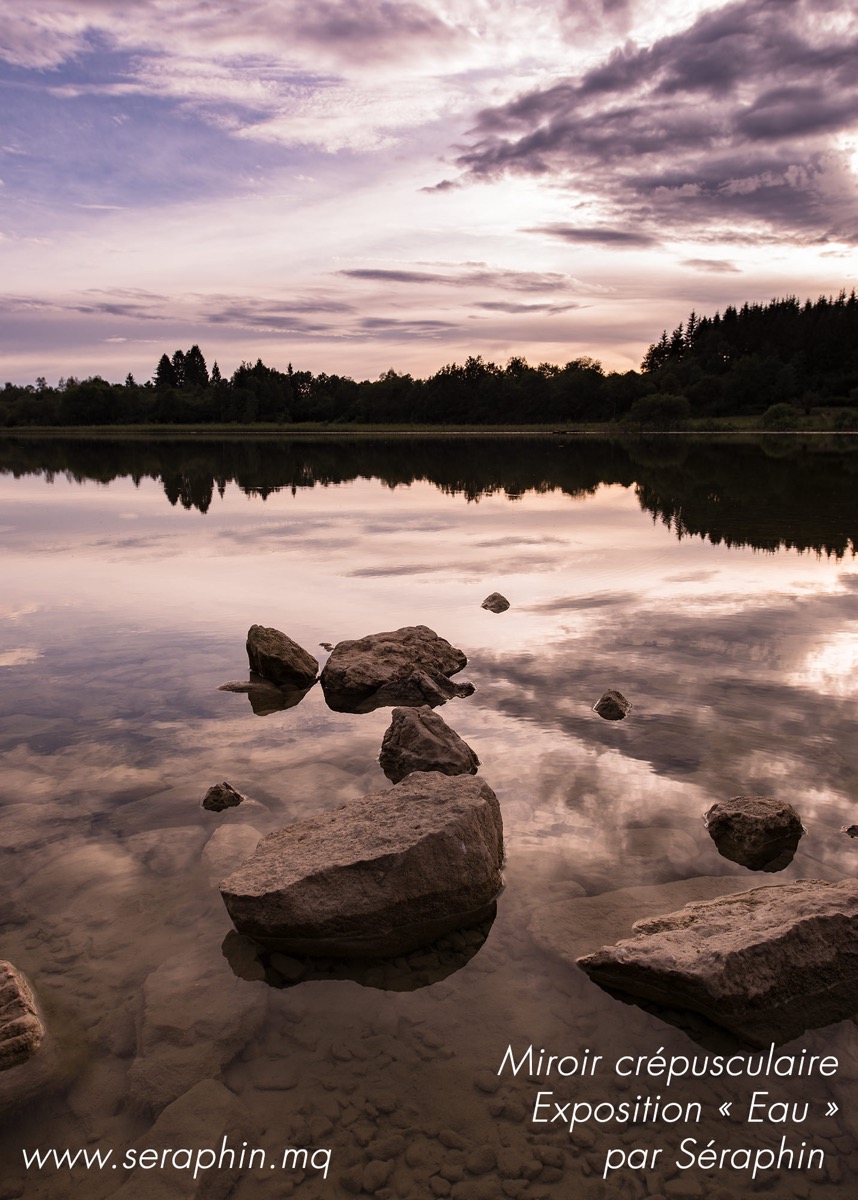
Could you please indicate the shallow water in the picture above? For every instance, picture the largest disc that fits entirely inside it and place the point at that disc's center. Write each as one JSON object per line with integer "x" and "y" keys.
{"x": 712, "y": 583}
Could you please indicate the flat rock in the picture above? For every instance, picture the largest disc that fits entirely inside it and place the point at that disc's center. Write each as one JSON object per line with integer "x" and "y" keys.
{"x": 221, "y": 796}
{"x": 756, "y": 831}
{"x": 766, "y": 964}
{"x": 277, "y": 658}
{"x": 356, "y": 670}
{"x": 378, "y": 876}
{"x": 495, "y": 603}
{"x": 420, "y": 740}
{"x": 612, "y": 706}
{"x": 21, "y": 1029}
{"x": 171, "y": 851}
{"x": 196, "y": 1016}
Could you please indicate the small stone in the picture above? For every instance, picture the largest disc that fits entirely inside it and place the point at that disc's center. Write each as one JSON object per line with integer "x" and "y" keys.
{"x": 221, "y": 796}
{"x": 758, "y": 832}
{"x": 481, "y": 1161}
{"x": 612, "y": 706}
{"x": 375, "y": 1175}
{"x": 495, "y": 603}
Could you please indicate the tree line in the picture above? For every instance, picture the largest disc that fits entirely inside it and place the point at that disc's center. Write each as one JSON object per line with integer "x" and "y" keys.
{"x": 772, "y": 360}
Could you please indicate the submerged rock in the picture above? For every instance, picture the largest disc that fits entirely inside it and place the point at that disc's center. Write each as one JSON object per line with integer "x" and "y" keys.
{"x": 495, "y": 603}
{"x": 377, "y": 877}
{"x": 196, "y": 1017}
{"x": 397, "y": 667}
{"x": 21, "y": 1029}
{"x": 277, "y": 658}
{"x": 756, "y": 831}
{"x": 765, "y": 964}
{"x": 613, "y": 706}
{"x": 420, "y": 740}
{"x": 221, "y": 796}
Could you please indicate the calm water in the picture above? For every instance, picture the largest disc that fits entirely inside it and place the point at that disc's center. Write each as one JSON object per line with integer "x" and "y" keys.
{"x": 713, "y": 583}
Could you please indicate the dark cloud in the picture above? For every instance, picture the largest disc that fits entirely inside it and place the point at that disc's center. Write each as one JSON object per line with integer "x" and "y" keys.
{"x": 720, "y": 266}
{"x": 473, "y": 275}
{"x": 508, "y": 306}
{"x": 729, "y": 121}
{"x": 374, "y": 25}
{"x": 596, "y": 235}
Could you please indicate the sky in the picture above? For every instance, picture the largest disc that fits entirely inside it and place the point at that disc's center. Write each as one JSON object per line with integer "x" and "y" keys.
{"x": 359, "y": 185}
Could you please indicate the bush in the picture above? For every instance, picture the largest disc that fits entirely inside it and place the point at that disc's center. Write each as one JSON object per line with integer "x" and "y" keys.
{"x": 781, "y": 416}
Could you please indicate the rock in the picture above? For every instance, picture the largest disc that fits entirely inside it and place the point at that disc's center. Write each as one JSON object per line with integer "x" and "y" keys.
{"x": 277, "y": 658}
{"x": 378, "y": 876}
{"x": 613, "y": 706}
{"x": 21, "y": 1029}
{"x": 357, "y": 670}
{"x": 756, "y": 831}
{"x": 196, "y": 1017}
{"x": 420, "y": 740}
{"x": 495, "y": 603}
{"x": 766, "y": 964}
{"x": 221, "y": 796}
{"x": 850, "y": 830}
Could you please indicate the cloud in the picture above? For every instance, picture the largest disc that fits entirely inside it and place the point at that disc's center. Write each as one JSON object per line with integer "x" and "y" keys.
{"x": 717, "y": 265}
{"x": 477, "y": 275}
{"x": 698, "y": 130}
{"x": 597, "y": 235}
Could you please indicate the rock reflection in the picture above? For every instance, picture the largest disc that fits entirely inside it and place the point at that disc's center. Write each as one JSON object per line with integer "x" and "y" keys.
{"x": 405, "y": 973}
{"x": 266, "y": 697}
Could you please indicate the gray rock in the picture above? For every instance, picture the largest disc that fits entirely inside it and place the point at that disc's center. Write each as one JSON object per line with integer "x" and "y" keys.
{"x": 850, "y": 830}
{"x": 196, "y": 1017}
{"x": 357, "y": 670}
{"x": 420, "y": 740}
{"x": 495, "y": 603}
{"x": 277, "y": 658}
{"x": 379, "y": 876}
{"x": 21, "y": 1029}
{"x": 415, "y": 690}
{"x": 613, "y": 706}
{"x": 756, "y": 831}
{"x": 766, "y": 964}
{"x": 221, "y": 796}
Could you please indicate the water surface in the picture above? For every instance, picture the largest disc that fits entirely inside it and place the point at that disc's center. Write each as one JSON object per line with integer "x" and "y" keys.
{"x": 712, "y": 582}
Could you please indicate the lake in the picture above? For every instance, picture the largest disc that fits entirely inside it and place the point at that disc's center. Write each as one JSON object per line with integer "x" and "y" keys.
{"x": 712, "y": 581}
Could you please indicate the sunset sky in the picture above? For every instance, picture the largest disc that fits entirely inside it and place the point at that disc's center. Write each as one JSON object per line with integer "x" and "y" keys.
{"x": 354, "y": 185}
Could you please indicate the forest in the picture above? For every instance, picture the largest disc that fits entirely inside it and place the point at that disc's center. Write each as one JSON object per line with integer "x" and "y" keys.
{"x": 777, "y": 363}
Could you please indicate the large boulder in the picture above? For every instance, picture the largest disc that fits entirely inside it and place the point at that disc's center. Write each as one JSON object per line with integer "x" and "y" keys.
{"x": 756, "y": 831}
{"x": 21, "y": 1030}
{"x": 765, "y": 964}
{"x": 357, "y": 669}
{"x": 277, "y": 658}
{"x": 420, "y": 740}
{"x": 377, "y": 877}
